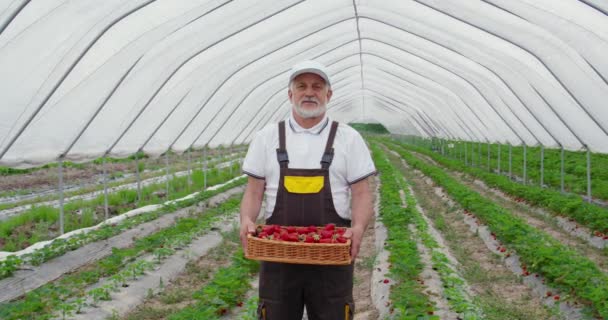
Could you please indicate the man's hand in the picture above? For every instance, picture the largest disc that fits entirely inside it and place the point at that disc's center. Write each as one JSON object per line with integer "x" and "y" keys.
{"x": 247, "y": 227}
{"x": 356, "y": 236}
{"x": 250, "y": 207}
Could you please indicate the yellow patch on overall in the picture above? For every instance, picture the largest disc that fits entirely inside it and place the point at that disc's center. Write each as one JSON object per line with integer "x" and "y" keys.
{"x": 296, "y": 184}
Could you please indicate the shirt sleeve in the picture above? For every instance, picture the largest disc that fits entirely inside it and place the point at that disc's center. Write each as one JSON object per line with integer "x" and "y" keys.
{"x": 362, "y": 165}
{"x": 253, "y": 165}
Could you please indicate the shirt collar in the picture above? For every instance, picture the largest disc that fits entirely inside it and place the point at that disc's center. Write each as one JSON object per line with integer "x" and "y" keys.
{"x": 316, "y": 129}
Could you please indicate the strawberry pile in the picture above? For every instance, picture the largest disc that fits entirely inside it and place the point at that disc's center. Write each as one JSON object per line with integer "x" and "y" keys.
{"x": 312, "y": 234}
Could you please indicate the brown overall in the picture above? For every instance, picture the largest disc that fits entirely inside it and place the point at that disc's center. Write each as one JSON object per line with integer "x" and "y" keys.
{"x": 286, "y": 288}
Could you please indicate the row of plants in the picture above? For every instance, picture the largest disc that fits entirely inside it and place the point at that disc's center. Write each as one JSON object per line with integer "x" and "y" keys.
{"x": 69, "y": 293}
{"x": 60, "y": 246}
{"x": 225, "y": 291}
{"x": 563, "y": 268}
{"x": 453, "y": 285}
{"x": 407, "y": 292}
{"x": 42, "y": 223}
{"x": 6, "y": 171}
{"x": 569, "y": 205}
{"x": 153, "y": 171}
{"x": 575, "y": 165}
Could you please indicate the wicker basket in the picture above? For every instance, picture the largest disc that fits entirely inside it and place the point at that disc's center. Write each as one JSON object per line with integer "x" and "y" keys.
{"x": 298, "y": 252}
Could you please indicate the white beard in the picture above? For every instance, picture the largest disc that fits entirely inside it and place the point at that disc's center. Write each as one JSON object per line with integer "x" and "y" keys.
{"x": 310, "y": 113}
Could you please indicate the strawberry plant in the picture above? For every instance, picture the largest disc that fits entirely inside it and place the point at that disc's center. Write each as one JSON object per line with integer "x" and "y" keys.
{"x": 224, "y": 292}
{"x": 562, "y": 267}
{"x": 407, "y": 293}
{"x": 60, "y": 246}
{"x": 43, "y": 301}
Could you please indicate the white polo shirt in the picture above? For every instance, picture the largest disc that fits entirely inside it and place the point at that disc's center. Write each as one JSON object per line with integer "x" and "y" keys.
{"x": 352, "y": 160}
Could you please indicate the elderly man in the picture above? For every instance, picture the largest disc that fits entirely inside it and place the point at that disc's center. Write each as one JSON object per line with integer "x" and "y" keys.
{"x": 308, "y": 145}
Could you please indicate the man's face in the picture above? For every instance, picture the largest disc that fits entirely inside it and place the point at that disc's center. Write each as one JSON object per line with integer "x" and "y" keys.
{"x": 309, "y": 95}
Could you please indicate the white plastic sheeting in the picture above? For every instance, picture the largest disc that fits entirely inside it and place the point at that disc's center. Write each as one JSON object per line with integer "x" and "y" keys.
{"x": 82, "y": 79}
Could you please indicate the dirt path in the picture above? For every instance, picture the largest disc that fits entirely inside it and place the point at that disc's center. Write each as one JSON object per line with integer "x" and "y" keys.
{"x": 497, "y": 290}
{"x": 178, "y": 293}
{"x": 533, "y": 216}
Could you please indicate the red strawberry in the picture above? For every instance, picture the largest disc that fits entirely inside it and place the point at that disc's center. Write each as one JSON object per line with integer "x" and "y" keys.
{"x": 341, "y": 239}
{"x": 330, "y": 227}
{"x": 326, "y": 234}
{"x": 263, "y": 235}
{"x": 302, "y": 230}
{"x": 312, "y": 229}
{"x": 340, "y": 231}
{"x": 556, "y": 297}
{"x": 309, "y": 239}
{"x": 326, "y": 240}
{"x": 240, "y": 304}
{"x": 290, "y": 229}
{"x": 386, "y": 281}
{"x": 549, "y": 293}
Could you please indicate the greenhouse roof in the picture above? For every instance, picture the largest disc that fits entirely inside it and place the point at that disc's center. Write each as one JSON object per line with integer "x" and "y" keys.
{"x": 88, "y": 78}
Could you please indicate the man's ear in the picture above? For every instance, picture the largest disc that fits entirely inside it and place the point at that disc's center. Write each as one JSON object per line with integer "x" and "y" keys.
{"x": 290, "y": 95}
{"x": 329, "y": 93}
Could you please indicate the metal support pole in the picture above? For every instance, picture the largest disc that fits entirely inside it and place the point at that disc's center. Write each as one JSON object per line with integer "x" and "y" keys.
{"x": 542, "y": 165}
{"x": 561, "y": 170}
{"x": 459, "y": 152}
{"x": 229, "y": 153}
{"x": 589, "y": 175}
{"x": 61, "y": 214}
{"x": 167, "y": 175}
{"x": 137, "y": 174}
{"x": 105, "y": 189}
{"x": 525, "y": 164}
{"x": 466, "y": 162}
{"x": 479, "y": 154}
{"x": 498, "y": 160}
{"x": 189, "y": 169}
{"x": 204, "y": 168}
{"x": 489, "y": 166}
{"x": 510, "y": 162}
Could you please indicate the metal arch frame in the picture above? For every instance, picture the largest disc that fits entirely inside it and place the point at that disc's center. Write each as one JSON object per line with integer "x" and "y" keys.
{"x": 240, "y": 69}
{"x": 416, "y": 98}
{"x": 385, "y": 23}
{"x": 482, "y": 95}
{"x": 13, "y": 15}
{"x": 479, "y": 64}
{"x": 111, "y": 93}
{"x": 398, "y": 92}
{"x": 592, "y": 5}
{"x": 529, "y": 52}
{"x": 560, "y": 17}
{"x": 360, "y": 58}
{"x": 247, "y": 95}
{"x": 184, "y": 62}
{"x": 387, "y": 100}
{"x": 455, "y": 94}
{"x": 238, "y": 106}
{"x": 446, "y": 101}
{"x": 68, "y": 71}
{"x": 281, "y": 89}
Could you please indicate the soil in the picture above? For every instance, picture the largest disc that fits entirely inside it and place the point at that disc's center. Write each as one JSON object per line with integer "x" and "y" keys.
{"x": 178, "y": 293}
{"x": 546, "y": 223}
{"x": 499, "y": 292}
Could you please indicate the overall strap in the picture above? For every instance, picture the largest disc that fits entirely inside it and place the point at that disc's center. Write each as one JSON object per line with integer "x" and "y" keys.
{"x": 282, "y": 156}
{"x": 328, "y": 155}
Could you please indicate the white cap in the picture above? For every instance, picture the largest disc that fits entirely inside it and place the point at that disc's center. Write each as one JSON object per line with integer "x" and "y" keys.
{"x": 309, "y": 66}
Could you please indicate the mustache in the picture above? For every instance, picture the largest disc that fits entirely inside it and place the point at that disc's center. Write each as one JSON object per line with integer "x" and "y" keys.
{"x": 311, "y": 99}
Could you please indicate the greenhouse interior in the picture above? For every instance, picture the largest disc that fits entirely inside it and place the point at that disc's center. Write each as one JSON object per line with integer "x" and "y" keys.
{"x": 292, "y": 159}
